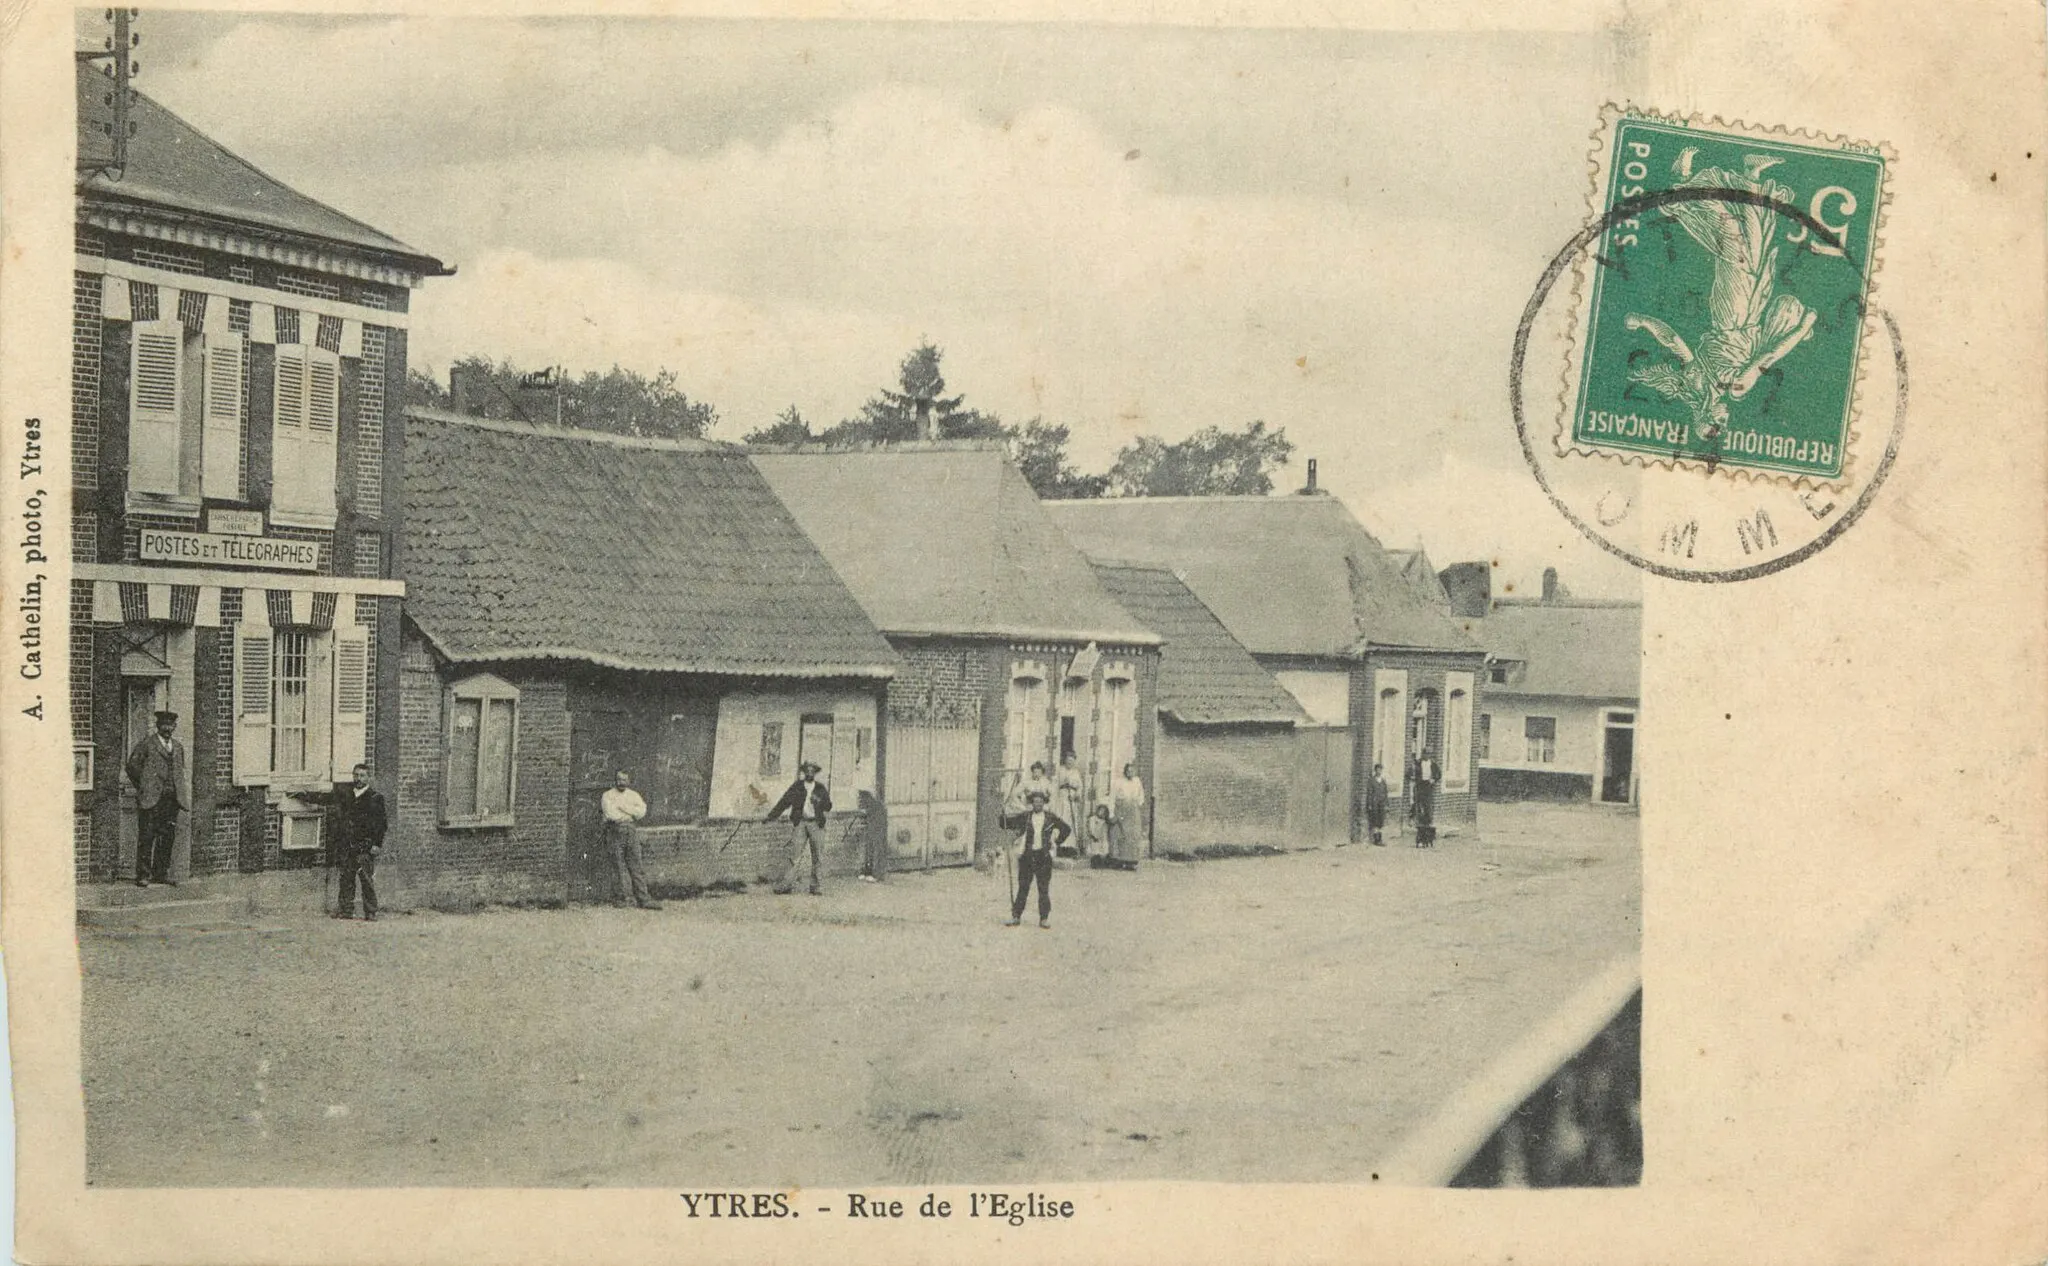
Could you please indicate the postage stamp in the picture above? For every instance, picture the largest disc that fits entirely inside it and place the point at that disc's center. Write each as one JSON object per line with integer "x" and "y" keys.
{"x": 1722, "y": 313}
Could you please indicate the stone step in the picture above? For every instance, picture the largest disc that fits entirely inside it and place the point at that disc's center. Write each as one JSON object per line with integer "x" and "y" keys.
{"x": 176, "y": 912}
{"x": 124, "y": 893}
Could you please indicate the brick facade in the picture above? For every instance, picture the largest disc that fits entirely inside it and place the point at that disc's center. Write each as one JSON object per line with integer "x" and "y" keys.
{"x": 1426, "y": 671}
{"x": 1222, "y": 784}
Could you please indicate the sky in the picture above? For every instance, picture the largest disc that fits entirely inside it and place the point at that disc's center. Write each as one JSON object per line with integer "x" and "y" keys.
{"x": 1125, "y": 230}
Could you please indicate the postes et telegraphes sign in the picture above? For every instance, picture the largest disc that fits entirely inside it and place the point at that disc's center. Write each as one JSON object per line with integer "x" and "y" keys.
{"x": 216, "y": 550}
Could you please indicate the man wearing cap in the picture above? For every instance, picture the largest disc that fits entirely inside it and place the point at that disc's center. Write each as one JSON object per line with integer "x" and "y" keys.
{"x": 806, "y": 802}
{"x": 157, "y": 768}
{"x": 1039, "y": 833}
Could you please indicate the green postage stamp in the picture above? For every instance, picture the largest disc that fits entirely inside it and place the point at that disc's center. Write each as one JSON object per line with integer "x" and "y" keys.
{"x": 1725, "y": 302}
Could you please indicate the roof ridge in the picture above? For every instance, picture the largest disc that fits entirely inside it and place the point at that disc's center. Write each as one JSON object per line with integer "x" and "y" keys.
{"x": 545, "y": 430}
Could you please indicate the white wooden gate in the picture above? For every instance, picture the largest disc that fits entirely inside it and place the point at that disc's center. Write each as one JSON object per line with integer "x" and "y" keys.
{"x": 931, "y": 792}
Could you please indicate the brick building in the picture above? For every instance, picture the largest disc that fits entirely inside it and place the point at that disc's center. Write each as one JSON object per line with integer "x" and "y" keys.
{"x": 238, "y": 362}
{"x": 1382, "y": 672}
{"x": 582, "y": 603}
{"x": 1225, "y": 768}
{"x": 1012, "y": 651}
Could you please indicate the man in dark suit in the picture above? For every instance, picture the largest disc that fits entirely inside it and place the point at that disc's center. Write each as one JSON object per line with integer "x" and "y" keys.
{"x": 359, "y": 819}
{"x": 806, "y": 802}
{"x": 157, "y": 768}
{"x": 1040, "y": 832}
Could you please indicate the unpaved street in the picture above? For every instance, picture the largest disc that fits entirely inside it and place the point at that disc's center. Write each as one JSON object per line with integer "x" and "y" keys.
{"x": 1262, "y": 1019}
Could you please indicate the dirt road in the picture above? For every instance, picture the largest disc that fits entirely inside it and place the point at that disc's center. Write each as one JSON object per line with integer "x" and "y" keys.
{"x": 1263, "y": 1019}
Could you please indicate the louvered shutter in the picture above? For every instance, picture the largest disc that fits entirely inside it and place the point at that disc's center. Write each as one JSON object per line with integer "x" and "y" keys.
{"x": 351, "y": 696}
{"x": 221, "y": 415}
{"x": 252, "y": 696}
{"x": 288, "y": 430}
{"x": 155, "y": 386}
{"x": 323, "y": 416}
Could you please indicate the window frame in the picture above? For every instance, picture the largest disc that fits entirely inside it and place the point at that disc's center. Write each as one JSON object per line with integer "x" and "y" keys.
{"x": 483, "y": 690}
{"x": 305, "y": 498}
{"x": 1547, "y": 754}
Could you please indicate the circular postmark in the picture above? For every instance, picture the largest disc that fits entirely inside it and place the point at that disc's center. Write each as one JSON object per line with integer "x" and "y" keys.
{"x": 1687, "y": 513}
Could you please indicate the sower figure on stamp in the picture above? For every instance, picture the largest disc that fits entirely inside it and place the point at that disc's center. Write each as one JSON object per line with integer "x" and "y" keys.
{"x": 806, "y": 802}
{"x": 623, "y": 808}
{"x": 1425, "y": 801}
{"x": 157, "y": 768}
{"x": 360, "y": 819}
{"x": 1376, "y": 803}
{"x": 1039, "y": 833}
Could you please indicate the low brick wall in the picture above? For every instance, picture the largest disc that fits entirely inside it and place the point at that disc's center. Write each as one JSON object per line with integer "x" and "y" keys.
{"x": 1534, "y": 784}
{"x": 684, "y": 858}
{"x": 1223, "y": 785}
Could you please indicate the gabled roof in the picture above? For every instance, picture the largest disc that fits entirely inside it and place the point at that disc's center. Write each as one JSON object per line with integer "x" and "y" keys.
{"x": 528, "y": 542}
{"x": 172, "y": 164}
{"x": 1289, "y": 575}
{"x": 1582, "y": 649}
{"x": 946, "y": 539}
{"x": 1417, "y": 570}
{"x": 1206, "y": 676}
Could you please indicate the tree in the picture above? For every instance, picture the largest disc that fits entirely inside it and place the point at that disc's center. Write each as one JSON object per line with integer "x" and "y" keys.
{"x": 789, "y": 427}
{"x": 1040, "y": 451}
{"x": 920, "y": 410}
{"x": 621, "y": 401}
{"x": 1210, "y": 463}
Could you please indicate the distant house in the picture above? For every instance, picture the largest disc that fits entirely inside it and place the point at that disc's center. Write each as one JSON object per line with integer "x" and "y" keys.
{"x": 238, "y": 363}
{"x": 583, "y": 603}
{"x": 1225, "y": 767}
{"x": 1382, "y": 673}
{"x": 1562, "y": 707}
{"x": 1012, "y": 652}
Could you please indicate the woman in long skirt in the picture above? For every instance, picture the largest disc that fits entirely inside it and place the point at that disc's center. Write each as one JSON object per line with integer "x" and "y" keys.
{"x": 1127, "y": 819}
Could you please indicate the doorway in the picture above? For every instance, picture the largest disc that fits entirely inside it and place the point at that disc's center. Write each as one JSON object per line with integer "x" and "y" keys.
{"x": 1618, "y": 758}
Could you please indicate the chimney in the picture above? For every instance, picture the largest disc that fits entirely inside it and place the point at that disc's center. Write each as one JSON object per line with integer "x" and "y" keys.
{"x": 1469, "y": 586}
{"x": 1309, "y": 489}
{"x": 458, "y": 387}
{"x": 1550, "y": 584}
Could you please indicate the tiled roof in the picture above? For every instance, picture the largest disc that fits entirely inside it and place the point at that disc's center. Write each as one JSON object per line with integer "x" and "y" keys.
{"x": 1588, "y": 650}
{"x": 527, "y": 542}
{"x": 1287, "y": 575}
{"x": 1206, "y": 677}
{"x": 1417, "y": 570}
{"x": 173, "y": 164}
{"x": 946, "y": 540}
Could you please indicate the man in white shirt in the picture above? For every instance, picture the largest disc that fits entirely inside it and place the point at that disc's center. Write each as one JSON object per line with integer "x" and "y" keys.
{"x": 623, "y": 809}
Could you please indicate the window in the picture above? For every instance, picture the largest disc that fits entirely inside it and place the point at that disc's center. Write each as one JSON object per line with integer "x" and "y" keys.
{"x": 1026, "y": 733}
{"x": 1541, "y": 734}
{"x": 814, "y": 742}
{"x": 290, "y": 670}
{"x": 180, "y": 447}
{"x": 771, "y": 749}
{"x": 481, "y": 751}
{"x": 1498, "y": 674}
{"x": 1457, "y": 731}
{"x": 1389, "y": 733}
{"x": 301, "y": 702}
{"x": 305, "y": 409}
{"x": 1485, "y": 736}
{"x": 81, "y": 766}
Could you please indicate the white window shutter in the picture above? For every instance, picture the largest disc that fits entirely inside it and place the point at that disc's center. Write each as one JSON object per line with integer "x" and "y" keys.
{"x": 220, "y": 458}
{"x": 323, "y": 416}
{"x": 288, "y": 430}
{"x": 351, "y": 697}
{"x": 252, "y": 698}
{"x": 155, "y": 389}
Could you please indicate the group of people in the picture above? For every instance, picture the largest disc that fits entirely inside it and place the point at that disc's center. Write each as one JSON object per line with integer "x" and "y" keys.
{"x": 1115, "y": 827}
{"x": 157, "y": 770}
{"x": 1422, "y": 777}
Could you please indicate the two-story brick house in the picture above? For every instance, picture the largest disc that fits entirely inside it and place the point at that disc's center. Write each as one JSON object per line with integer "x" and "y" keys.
{"x": 238, "y": 367}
